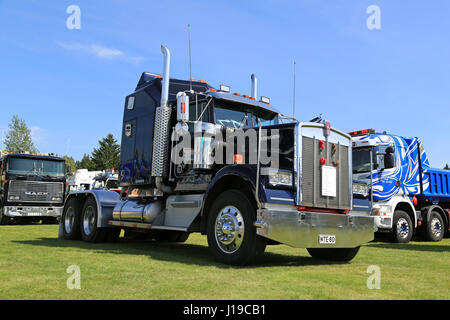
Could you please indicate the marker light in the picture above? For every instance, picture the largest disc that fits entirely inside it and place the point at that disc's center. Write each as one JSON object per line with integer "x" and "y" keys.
{"x": 265, "y": 100}
{"x": 224, "y": 88}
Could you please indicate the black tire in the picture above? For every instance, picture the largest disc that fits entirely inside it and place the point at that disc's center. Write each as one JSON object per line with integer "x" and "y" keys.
{"x": 246, "y": 245}
{"x": 402, "y": 227}
{"x": 333, "y": 254}
{"x": 434, "y": 228}
{"x": 71, "y": 220}
{"x": 88, "y": 223}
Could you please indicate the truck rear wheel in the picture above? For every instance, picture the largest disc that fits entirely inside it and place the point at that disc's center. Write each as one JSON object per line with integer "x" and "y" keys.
{"x": 434, "y": 228}
{"x": 402, "y": 227}
{"x": 90, "y": 232}
{"x": 232, "y": 237}
{"x": 333, "y": 254}
{"x": 71, "y": 220}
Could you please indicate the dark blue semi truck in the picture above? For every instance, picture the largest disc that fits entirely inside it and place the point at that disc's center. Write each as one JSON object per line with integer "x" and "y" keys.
{"x": 199, "y": 159}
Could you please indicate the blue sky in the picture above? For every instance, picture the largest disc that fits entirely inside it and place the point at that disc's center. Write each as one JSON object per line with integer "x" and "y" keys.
{"x": 69, "y": 85}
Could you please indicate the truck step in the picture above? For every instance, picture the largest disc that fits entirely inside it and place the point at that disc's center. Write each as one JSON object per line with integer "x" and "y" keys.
{"x": 138, "y": 225}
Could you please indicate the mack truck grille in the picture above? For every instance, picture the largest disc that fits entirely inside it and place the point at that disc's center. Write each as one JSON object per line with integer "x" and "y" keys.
{"x": 313, "y": 160}
{"x": 33, "y": 191}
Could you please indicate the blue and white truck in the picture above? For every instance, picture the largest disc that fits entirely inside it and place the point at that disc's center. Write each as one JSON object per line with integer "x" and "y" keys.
{"x": 408, "y": 195}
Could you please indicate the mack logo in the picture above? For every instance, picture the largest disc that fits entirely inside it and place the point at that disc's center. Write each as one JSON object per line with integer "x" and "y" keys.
{"x": 32, "y": 193}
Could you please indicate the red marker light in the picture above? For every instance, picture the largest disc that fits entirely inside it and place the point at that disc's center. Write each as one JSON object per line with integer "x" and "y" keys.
{"x": 322, "y": 144}
{"x": 414, "y": 201}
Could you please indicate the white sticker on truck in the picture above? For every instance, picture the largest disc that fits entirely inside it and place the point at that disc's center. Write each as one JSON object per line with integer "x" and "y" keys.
{"x": 328, "y": 181}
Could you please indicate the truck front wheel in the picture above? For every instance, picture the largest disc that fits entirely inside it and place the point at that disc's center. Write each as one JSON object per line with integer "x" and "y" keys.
{"x": 232, "y": 237}
{"x": 333, "y": 254}
{"x": 434, "y": 228}
{"x": 90, "y": 232}
{"x": 402, "y": 227}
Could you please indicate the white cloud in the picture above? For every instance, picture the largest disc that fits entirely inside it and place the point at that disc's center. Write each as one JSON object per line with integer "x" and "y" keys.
{"x": 100, "y": 51}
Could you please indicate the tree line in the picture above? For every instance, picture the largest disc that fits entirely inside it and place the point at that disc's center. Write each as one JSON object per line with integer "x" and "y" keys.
{"x": 105, "y": 156}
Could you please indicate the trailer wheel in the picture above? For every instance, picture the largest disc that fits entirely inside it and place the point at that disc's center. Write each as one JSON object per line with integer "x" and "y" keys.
{"x": 434, "y": 228}
{"x": 71, "y": 220}
{"x": 232, "y": 237}
{"x": 402, "y": 227}
{"x": 89, "y": 230}
{"x": 333, "y": 254}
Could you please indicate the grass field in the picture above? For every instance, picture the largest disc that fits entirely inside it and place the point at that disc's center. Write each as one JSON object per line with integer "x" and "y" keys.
{"x": 33, "y": 265}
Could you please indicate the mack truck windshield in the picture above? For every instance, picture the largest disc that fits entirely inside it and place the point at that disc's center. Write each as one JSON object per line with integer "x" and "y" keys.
{"x": 409, "y": 197}
{"x": 195, "y": 158}
{"x": 31, "y": 188}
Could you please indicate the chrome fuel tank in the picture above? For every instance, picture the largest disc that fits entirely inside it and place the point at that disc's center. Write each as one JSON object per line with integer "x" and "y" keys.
{"x": 136, "y": 211}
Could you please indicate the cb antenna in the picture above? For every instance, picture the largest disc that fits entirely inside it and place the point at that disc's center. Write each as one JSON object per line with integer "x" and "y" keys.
{"x": 293, "y": 99}
{"x": 190, "y": 62}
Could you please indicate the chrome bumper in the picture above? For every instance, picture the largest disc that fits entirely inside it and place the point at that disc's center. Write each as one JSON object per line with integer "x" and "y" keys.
{"x": 28, "y": 211}
{"x": 300, "y": 229}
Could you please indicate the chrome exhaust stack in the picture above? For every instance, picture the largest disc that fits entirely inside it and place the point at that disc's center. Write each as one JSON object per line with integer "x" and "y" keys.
{"x": 161, "y": 135}
{"x": 254, "y": 86}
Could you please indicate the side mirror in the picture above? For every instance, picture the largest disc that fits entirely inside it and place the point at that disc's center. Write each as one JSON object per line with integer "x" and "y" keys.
{"x": 389, "y": 160}
{"x": 68, "y": 169}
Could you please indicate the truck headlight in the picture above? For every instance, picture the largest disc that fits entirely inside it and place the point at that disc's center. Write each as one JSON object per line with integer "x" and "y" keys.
{"x": 280, "y": 178}
{"x": 56, "y": 199}
{"x": 360, "y": 188}
{"x": 14, "y": 197}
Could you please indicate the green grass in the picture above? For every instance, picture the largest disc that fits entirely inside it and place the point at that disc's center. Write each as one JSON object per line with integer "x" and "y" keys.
{"x": 33, "y": 264}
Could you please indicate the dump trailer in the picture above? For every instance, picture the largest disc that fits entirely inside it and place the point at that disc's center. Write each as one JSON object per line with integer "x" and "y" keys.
{"x": 408, "y": 195}
{"x": 32, "y": 187}
{"x": 200, "y": 159}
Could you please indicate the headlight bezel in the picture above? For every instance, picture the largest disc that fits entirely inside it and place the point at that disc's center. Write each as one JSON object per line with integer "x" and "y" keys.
{"x": 360, "y": 188}
{"x": 279, "y": 178}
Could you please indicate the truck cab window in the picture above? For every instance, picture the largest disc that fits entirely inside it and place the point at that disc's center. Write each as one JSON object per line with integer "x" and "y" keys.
{"x": 361, "y": 160}
{"x": 380, "y": 156}
{"x": 195, "y": 110}
{"x": 233, "y": 118}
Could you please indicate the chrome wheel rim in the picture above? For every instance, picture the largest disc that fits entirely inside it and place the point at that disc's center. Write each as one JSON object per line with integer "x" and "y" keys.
{"x": 436, "y": 227}
{"x": 68, "y": 220}
{"x": 229, "y": 229}
{"x": 402, "y": 228}
{"x": 88, "y": 220}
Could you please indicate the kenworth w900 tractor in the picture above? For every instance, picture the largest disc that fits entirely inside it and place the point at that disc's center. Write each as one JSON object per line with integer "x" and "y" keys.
{"x": 229, "y": 166}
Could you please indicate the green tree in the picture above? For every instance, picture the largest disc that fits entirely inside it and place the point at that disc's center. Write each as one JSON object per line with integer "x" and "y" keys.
{"x": 447, "y": 167}
{"x": 107, "y": 155}
{"x": 85, "y": 163}
{"x": 18, "y": 137}
{"x": 70, "y": 163}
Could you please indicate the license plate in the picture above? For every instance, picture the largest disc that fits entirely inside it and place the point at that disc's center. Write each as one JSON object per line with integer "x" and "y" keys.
{"x": 327, "y": 239}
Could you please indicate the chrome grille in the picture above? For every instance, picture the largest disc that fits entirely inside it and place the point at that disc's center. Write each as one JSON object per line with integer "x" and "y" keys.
{"x": 35, "y": 191}
{"x": 311, "y": 174}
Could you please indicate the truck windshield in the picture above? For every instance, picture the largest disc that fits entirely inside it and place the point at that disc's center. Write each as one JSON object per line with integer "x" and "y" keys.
{"x": 361, "y": 160}
{"x": 35, "y": 167}
{"x": 233, "y": 118}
